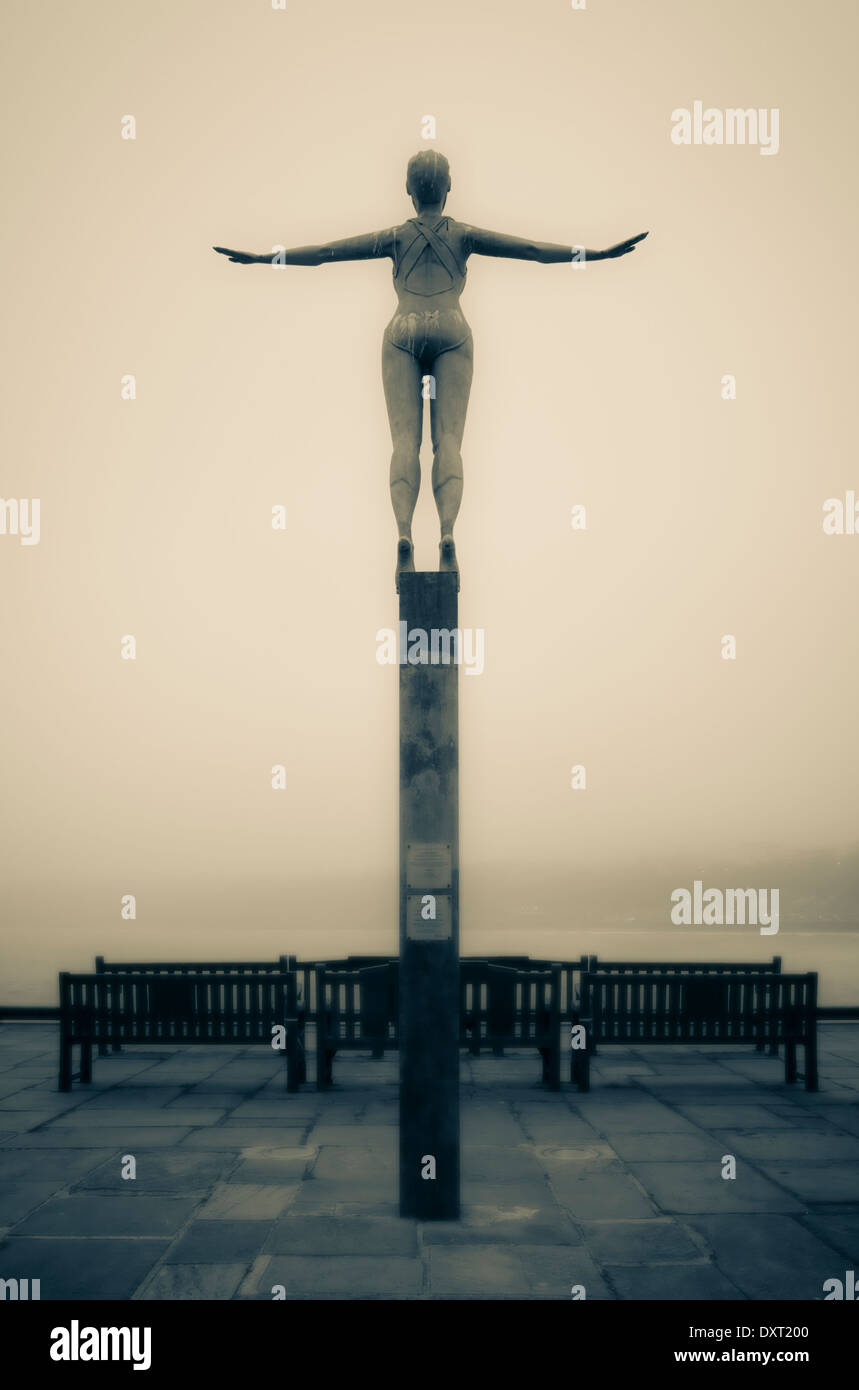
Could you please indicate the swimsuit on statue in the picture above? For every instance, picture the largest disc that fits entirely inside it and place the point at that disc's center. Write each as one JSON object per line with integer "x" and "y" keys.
{"x": 425, "y": 333}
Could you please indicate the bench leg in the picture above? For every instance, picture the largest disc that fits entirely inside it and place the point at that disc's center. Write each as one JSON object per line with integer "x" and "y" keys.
{"x": 292, "y": 1065}
{"x": 582, "y": 1069}
{"x": 65, "y": 1081}
{"x": 86, "y": 1061}
{"x": 790, "y": 1060}
{"x": 811, "y": 1060}
{"x": 553, "y": 1060}
{"x": 324, "y": 1069}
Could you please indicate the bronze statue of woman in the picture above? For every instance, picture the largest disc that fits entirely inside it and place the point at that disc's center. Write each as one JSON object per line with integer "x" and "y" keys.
{"x": 428, "y": 335}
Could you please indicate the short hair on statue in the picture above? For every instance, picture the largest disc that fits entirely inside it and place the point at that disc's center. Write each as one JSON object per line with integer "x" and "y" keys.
{"x": 428, "y": 176}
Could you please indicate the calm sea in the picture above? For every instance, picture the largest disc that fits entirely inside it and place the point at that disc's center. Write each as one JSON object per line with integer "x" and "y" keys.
{"x": 28, "y": 967}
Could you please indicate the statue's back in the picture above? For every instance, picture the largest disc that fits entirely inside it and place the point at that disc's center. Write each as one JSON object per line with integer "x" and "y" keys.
{"x": 429, "y": 257}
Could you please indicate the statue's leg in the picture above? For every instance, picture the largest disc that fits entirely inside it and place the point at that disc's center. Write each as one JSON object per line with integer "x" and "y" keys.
{"x": 452, "y": 371}
{"x": 401, "y": 376}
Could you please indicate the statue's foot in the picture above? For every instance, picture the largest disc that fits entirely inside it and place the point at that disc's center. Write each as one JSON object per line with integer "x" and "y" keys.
{"x": 405, "y": 559}
{"x": 447, "y": 558}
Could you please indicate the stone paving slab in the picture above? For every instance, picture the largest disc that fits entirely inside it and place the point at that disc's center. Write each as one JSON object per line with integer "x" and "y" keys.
{"x": 826, "y": 1146}
{"x": 48, "y": 1165}
{"x": 248, "y": 1201}
{"x": 699, "y": 1187}
{"x": 477, "y": 1271}
{"x": 654, "y": 1240}
{"x": 271, "y": 1165}
{"x": 635, "y": 1116}
{"x": 558, "y": 1125}
{"x": 659, "y": 1283}
{"x": 109, "y": 1214}
{"x": 342, "y": 1163}
{"x": 669, "y": 1148}
{"x": 519, "y": 1163}
{"x": 530, "y": 1192}
{"x": 840, "y": 1231}
{"x": 205, "y": 1100}
{"x": 127, "y": 1115}
{"x": 242, "y": 1137}
{"x": 488, "y": 1126}
{"x": 829, "y": 1183}
{"x": 343, "y": 1276}
{"x": 10, "y": 1086}
{"x": 384, "y": 1137}
{"x": 241, "y": 1186}
{"x": 169, "y": 1171}
{"x": 272, "y": 1108}
{"x": 381, "y": 1113}
{"x": 721, "y": 1116}
{"x": 24, "y": 1122}
{"x": 329, "y": 1195}
{"x": 219, "y": 1242}
{"x": 213, "y": 1282}
{"x": 590, "y": 1196}
{"x": 552, "y": 1271}
{"x": 122, "y": 1098}
{"x": 98, "y": 1137}
{"x": 46, "y": 1102}
{"x": 841, "y": 1117}
{"x": 772, "y": 1251}
{"x": 513, "y": 1225}
{"x": 86, "y": 1268}
{"x": 337, "y": 1235}
{"x": 18, "y": 1199}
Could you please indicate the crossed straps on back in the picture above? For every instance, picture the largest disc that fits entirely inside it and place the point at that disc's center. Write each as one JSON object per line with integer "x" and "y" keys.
{"x": 429, "y": 237}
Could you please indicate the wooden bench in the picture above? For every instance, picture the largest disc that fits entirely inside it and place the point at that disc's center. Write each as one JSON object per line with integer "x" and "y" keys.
{"x": 172, "y": 967}
{"x": 513, "y": 1006}
{"x": 649, "y": 1008}
{"x": 355, "y": 1009}
{"x": 239, "y": 1009}
{"x": 691, "y": 967}
{"x": 308, "y": 972}
{"x": 569, "y": 987}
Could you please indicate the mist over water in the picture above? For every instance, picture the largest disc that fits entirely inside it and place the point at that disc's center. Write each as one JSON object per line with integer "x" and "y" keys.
{"x": 529, "y": 911}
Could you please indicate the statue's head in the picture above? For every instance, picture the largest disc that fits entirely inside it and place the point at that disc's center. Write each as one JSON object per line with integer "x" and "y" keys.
{"x": 428, "y": 179}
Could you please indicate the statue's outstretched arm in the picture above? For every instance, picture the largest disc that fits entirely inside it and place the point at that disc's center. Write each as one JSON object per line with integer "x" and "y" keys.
{"x": 367, "y": 247}
{"x": 482, "y": 243}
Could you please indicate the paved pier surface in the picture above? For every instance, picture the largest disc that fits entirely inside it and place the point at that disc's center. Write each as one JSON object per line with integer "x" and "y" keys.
{"x": 241, "y": 1188}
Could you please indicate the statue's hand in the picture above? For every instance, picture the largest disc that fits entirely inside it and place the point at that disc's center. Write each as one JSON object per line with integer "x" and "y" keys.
{"x": 623, "y": 247}
{"x": 237, "y": 257}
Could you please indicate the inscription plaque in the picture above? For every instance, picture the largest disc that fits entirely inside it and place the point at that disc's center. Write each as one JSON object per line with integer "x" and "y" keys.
{"x": 420, "y": 928}
{"x": 428, "y": 867}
